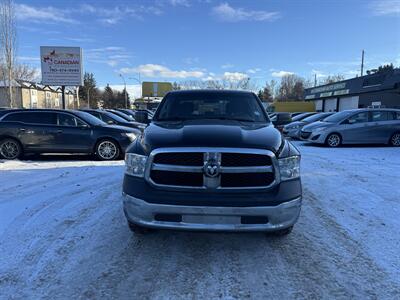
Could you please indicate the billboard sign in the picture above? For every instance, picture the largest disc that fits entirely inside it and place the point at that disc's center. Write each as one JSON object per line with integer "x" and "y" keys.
{"x": 156, "y": 89}
{"x": 61, "y": 66}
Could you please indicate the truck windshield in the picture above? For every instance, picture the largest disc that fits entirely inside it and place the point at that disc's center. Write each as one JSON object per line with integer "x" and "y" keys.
{"x": 243, "y": 107}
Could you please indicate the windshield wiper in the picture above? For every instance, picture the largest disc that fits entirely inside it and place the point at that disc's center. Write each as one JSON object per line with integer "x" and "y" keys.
{"x": 172, "y": 119}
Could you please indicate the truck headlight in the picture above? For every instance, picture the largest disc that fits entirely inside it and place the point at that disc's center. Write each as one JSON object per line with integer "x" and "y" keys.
{"x": 289, "y": 167}
{"x": 135, "y": 164}
{"x": 130, "y": 135}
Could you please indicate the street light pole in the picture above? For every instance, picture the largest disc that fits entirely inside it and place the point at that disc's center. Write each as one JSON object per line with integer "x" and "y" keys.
{"x": 137, "y": 79}
{"x": 88, "y": 96}
{"x": 126, "y": 95}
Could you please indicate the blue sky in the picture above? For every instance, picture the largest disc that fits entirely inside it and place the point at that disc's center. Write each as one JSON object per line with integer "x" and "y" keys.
{"x": 179, "y": 40}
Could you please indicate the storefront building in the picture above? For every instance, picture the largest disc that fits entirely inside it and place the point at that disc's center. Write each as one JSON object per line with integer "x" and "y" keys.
{"x": 376, "y": 90}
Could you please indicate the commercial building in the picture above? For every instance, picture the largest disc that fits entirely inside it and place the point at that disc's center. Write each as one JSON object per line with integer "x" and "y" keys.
{"x": 33, "y": 95}
{"x": 380, "y": 89}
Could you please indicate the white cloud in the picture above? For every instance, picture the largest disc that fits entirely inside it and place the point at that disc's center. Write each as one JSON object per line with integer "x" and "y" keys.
{"x": 385, "y": 7}
{"x": 235, "y": 76}
{"x": 227, "y": 66}
{"x": 113, "y": 15}
{"x": 253, "y": 71}
{"x": 112, "y": 63}
{"x": 106, "y": 15}
{"x": 225, "y": 12}
{"x": 111, "y": 55}
{"x": 48, "y": 14}
{"x": 154, "y": 70}
{"x": 179, "y": 3}
{"x": 319, "y": 74}
{"x": 280, "y": 74}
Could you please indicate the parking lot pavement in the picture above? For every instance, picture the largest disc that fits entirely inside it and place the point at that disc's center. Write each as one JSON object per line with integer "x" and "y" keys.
{"x": 63, "y": 235}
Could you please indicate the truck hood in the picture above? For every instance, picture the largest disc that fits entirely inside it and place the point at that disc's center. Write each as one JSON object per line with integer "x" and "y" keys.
{"x": 215, "y": 133}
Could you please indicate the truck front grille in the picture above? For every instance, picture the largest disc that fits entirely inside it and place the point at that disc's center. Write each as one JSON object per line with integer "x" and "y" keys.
{"x": 180, "y": 159}
{"x": 177, "y": 178}
{"x": 211, "y": 168}
{"x": 246, "y": 179}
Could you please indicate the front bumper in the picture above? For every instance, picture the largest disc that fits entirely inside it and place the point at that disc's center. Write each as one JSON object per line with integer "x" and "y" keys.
{"x": 293, "y": 133}
{"x": 318, "y": 137}
{"x": 212, "y": 218}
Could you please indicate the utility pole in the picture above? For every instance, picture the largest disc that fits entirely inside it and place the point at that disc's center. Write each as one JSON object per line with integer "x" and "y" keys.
{"x": 88, "y": 96}
{"x": 77, "y": 97}
{"x": 362, "y": 63}
{"x": 137, "y": 79}
{"x": 63, "y": 96}
{"x": 126, "y": 95}
{"x": 315, "y": 79}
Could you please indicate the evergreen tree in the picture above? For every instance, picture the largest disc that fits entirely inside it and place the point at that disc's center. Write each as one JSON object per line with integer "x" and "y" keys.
{"x": 89, "y": 90}
{"x": 108, "y": 97}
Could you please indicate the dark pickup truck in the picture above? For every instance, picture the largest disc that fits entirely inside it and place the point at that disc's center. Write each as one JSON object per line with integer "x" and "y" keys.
{"x": 212, "y": 160}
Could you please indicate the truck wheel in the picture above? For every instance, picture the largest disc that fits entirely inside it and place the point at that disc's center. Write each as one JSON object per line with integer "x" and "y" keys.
{"x": 395, "y": 140}
{"x": 138, "y": 229}
{"x": 333, "y": 140}
{"x": 107, "y": 150}
{"x": 283, "y": 232}
{"x": 10, "y": 149}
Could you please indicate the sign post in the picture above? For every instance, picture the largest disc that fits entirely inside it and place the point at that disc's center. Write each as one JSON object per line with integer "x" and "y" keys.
{"x": 63, "y": 96}
{"x": 61, "y": 66}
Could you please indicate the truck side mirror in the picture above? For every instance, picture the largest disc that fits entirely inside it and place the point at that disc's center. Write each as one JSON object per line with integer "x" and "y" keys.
{"x": 142, "y": 117}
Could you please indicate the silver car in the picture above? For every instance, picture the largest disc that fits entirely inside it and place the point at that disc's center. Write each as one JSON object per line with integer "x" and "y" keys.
{"x": 293, "y": 129}
{"x": 357, "y": 126}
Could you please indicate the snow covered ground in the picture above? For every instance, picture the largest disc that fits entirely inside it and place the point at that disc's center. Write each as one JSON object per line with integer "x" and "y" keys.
{"x": 63, "y": 236}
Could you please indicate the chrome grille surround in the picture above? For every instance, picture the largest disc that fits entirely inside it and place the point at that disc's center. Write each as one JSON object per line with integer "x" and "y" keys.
{"x": 212, "y": 182}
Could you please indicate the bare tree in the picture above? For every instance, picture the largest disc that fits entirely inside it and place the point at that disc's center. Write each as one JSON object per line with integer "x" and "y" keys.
{"x": 333, "y": 78}
{"x": 291, "y": 88}
{"x": 25, "y": 72}
{"x": 8, "y": 40}
{"x": 220, "y": 84}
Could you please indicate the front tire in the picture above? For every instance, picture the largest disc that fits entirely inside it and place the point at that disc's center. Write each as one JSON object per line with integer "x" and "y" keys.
{"x": 333, "y": 140}
{"x": 107, "y": 150}
{"x": 395, "y": 140}
{"x": 10, "y": 149}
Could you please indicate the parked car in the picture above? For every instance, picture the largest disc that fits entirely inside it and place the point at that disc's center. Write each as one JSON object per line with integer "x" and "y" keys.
{"x": 127, "y": 111}
{"x": 211, "y": 160}
{"x": 61, "y": 131}
{"x": 280, "y": 119}
{"x": 293, "y": 114}
{"x": 302, "y": 116}
{"x": 113, "y": 119}
{"x": 293, "y": 129}
{"x": 121, "y": 114}
{"x": 357, "y": 126}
